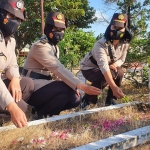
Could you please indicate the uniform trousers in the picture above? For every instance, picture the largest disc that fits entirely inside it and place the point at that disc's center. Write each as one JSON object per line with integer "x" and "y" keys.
{"x": 27, "y": 88}
{"x": 97, "y": 79}
{"x": 54, "y": 97}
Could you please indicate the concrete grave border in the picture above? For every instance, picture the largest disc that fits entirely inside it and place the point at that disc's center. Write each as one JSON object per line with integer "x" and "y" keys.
{"x": 121, "y": 141}
{"x": 67, "y": 116}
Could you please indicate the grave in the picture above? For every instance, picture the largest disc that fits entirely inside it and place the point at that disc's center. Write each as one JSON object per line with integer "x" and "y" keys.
{"x": 123, "y": 140}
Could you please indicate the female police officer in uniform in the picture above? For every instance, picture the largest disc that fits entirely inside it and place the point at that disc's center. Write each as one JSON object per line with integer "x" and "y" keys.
{"x": 51, "y": 96}
{"x": 102, "y": 65}
{"x": 11, "y": 88}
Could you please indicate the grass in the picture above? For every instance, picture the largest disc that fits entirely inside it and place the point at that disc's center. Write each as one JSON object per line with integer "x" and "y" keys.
{"x": 145, "y": 146}
{"x": 65, "y": 134}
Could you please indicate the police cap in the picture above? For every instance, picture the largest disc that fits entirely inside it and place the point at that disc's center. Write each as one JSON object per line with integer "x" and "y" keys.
{"x": 15, "y": 7}
{"x": 119, "y": 20}
{"x": 56, "y": 19}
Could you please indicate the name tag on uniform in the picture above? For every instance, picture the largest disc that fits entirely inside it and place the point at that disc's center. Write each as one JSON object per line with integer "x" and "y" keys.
{"x": 1, "y": 54}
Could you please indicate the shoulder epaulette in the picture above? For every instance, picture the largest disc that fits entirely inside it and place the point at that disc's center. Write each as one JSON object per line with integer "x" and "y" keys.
{"x": 44, "y": 40}
{"x": 108, "y": 43}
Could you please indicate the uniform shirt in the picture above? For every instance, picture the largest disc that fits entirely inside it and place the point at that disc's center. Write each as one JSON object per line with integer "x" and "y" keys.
{"x": 9, "y": 67}
{"x": 101, "y": 55}
{"x": 43, "y": 58}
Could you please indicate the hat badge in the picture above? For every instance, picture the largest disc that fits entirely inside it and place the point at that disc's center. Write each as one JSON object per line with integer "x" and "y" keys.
{"x": 121, "y": 17}
{"x": 20, "y": 4}
{"x": 59, "y": 16}
{"x": 121, "y": 35}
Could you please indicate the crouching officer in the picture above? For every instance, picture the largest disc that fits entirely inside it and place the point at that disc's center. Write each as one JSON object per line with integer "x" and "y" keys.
{"x": 102, "y": 66}
{"x": 13, "y": 90}
{"x": 52, "y": 96}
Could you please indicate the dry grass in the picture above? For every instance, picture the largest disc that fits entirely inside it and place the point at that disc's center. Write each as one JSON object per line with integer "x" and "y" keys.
{"x": 79, "y": 131}
{"x": 145, "y": 146}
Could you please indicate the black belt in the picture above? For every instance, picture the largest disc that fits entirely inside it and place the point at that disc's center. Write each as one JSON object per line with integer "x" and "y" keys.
{"x": 93, "y": 60}
{"x": 36, "y": 75}
{"x": 114, "y": 74}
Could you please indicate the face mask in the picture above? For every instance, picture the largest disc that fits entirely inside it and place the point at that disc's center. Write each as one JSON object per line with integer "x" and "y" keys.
{"x": 57, "y": 37}
{"x": 116, "y": 34}
{"x": 10, "y": 25}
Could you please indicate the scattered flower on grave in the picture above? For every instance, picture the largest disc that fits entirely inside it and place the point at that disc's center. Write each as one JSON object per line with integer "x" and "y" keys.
{"x": 55, "y": 133}
{"x": 147, "y": 117}
{"x": 23, "y": 147}
{"x": 63, "y": 136}
{"x": 41, "y": 140}
{"x": 20, "y": 139}
{"x": 14, "y": 142}
{"x": 29, "y": 146}
{"x": 107, "y": 125}
{"x": 136, "y": 118}
{"x": 32, "y": 141}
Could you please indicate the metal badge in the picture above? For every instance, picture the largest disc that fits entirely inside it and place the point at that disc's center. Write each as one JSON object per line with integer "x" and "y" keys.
{"x": 1, "y": 54}
{"x": 121, "y": 35}
{"x": 1, "y": 36}
{"x": 20, "y": 4}
{"x": 59, "y": 16}
{"x": 121, "y": 17}
{"x": 1, "y": 39}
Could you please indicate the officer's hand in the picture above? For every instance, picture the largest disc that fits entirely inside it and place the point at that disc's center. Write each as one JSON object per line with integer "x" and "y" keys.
{"x": 78, "y": 93}
{"x": 17, "y": 115}
{"x": 91, "y": 90}
{"x": 113, "y": 67}
{"x": 117, "y": 92}
{"x": 14, "y": 88}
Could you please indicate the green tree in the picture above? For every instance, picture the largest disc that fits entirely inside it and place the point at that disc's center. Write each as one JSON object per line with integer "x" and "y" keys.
{"x": 75, "y": 46}
{"x": 31, "y": 29}
{"x": 86, "y": 20}
{"x": 100, "y": 36}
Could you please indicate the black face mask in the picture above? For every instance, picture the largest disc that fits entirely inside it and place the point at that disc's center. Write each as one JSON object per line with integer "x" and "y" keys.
{"x": 116, "y": 34}
{"x": 11, "y": 26}
{"x": 57, "y": 37}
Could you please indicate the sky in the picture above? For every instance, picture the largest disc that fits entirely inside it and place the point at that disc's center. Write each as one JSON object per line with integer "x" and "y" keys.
{"x": 99, "y": 27}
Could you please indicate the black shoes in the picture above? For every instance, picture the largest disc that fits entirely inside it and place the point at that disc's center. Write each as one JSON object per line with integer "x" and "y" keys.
{"x": 110, "y": 102}
{"x": 4, "y": 117}
{"x": 84, "y": 103}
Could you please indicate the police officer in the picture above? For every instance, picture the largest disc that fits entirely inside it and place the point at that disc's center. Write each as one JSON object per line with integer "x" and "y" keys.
{"x": 102, "y": 66}
{"x": 52, "y": 96}
{"x": 13, "y": 89}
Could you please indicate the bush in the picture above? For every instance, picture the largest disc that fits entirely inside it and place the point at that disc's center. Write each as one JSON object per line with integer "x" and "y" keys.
{"x": 75, "y": 45}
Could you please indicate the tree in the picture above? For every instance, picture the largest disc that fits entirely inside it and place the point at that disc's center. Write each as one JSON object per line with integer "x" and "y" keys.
{"x": 86, "y": 20}
{"x": 100, "y": 36}
{"x": 31, "y": 29}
